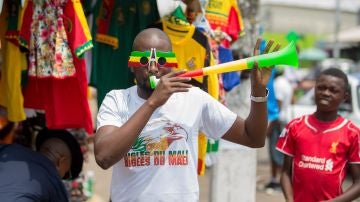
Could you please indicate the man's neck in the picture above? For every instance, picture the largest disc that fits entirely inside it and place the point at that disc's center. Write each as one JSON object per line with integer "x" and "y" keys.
{"x": 143, "y": 93}
{"x": 326, "y": 116}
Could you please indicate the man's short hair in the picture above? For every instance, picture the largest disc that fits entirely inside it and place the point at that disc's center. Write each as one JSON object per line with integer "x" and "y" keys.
{"x": 77, "y": 158}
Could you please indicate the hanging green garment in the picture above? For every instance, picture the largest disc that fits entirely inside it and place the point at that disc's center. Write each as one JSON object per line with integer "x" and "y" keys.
{"x": 115, "y": 27}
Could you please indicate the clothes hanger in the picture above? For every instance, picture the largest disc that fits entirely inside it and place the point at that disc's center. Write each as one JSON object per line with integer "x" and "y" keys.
{"x": 178, "y": 13}
{"x": 177, "y": 17}
{"x": 219, "y": 36}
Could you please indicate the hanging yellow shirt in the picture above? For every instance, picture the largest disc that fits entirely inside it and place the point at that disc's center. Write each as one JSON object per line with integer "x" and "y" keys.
{"x": 226, "y": 16}
{"x": 10, "y": 82}
{"x": 193, "y": 52}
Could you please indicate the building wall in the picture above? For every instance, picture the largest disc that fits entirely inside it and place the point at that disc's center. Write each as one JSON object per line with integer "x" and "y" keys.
{"x": 280, "y": 18}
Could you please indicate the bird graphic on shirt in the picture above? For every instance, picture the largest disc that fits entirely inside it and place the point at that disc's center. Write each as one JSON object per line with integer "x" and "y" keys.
{"x": 172, "y": 133}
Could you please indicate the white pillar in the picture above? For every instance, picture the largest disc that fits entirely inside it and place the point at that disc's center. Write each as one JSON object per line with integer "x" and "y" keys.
{"x": 233, "y": 176}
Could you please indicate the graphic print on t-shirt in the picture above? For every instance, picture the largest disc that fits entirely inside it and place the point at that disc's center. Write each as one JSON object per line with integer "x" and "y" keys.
{"x": 333, "y": 147}
{"x": 316, "y": 163}
{"x": 161, "y": 143}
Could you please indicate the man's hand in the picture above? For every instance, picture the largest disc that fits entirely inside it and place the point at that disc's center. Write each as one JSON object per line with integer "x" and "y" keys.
{"x": 260, "y": 76}
{"x": 168, "y": 85}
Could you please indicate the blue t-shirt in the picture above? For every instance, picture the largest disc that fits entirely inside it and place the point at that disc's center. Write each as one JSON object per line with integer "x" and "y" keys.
{"x": 230, "y": 79}
{"x": 272, "y": 105}
{"x": 26, "y": 175}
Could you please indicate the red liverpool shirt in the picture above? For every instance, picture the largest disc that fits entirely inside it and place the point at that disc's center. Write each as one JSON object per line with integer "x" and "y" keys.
{"x": 320, "y": 151}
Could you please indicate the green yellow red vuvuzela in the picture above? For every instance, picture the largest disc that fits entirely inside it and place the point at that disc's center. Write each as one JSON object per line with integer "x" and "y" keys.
{"x": 286, "y": 56}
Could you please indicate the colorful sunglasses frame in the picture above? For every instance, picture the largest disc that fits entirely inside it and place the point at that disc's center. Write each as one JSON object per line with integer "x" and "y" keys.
{"x": 144, "y": 58}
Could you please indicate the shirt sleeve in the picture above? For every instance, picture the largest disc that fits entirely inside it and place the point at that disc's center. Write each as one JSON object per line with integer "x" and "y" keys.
{"x": 112, "y": 110}
{"x": 286, "y": 142}
{"x": 279, "y": 93}
{"x": 216, "y": 118}
{"x": 77, "y": 28}
{"x": 354, "y": 152}
{"x": 233, "y": 28}
{"x": 25, "y": 28}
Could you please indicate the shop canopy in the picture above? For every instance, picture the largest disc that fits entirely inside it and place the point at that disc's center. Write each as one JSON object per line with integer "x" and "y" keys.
{"x": 313, "y": 54}
{"x": 351, "y": 35}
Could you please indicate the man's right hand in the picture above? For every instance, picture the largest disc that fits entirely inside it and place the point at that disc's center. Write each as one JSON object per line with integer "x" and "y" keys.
{"x": 167, "y": 85}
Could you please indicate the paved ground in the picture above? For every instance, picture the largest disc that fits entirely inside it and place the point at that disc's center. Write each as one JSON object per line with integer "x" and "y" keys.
{"x": 263, "y": 174}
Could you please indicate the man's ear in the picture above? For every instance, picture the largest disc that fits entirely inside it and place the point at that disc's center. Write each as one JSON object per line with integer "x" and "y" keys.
{"x": 132, "y": 69}
{"x": 58, "y": 164}
{"x": 60, "y": 161}
{"x": 61, "y": 166}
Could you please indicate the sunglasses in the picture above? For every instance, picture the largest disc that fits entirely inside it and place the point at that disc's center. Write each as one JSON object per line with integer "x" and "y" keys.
{"x": 145, "y": 58}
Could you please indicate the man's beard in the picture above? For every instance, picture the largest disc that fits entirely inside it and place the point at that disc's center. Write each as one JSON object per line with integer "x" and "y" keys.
{"x": 145, "y": 88}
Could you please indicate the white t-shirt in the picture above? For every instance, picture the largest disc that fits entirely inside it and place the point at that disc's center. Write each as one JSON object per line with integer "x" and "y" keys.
{"x": 162, "y": 163}
{"x": 284, "y": 92}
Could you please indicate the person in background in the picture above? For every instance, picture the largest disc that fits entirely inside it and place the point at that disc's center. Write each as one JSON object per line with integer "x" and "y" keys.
{"x": 273, "y": 132}
{"x": 27, "y": 175}
{"x": 150, "y": 135}
{"x": 320, "y": 148}
{"x": 284, "y": 91}
{"x": 238, "y": 99}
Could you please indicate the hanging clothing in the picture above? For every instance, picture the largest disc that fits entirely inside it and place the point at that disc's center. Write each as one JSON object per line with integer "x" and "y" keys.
{"x": 225, "y": 15}
{"x": 61, "y": 92}
{"x": 13, "y": 63}
{"x": 115, "y": 26}
{"x": 50, "y": 54}
{"x": 202, "y": 148}
{"x": 230, "y": 79}
{"x": 193, "y": 52}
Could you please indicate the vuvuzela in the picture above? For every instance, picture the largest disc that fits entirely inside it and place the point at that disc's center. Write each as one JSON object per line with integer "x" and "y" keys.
{"x": 285, "y": 56}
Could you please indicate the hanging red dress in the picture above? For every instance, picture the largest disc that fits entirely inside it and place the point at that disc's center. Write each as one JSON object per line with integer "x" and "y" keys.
{"x": 57, "y": 35}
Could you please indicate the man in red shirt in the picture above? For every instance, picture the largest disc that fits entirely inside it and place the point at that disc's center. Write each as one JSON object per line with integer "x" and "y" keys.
{"x": 319, "y": 148}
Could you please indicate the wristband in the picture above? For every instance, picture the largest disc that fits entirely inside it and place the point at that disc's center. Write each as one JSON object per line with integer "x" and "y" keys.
{"x": 260, "y": 99}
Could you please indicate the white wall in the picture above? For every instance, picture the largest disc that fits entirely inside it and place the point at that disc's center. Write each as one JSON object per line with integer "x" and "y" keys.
{"x": 282, "y": 18}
